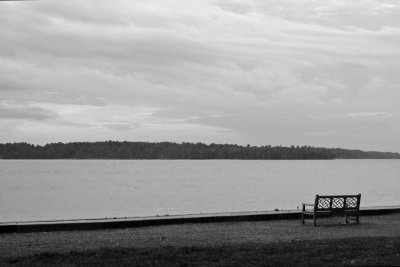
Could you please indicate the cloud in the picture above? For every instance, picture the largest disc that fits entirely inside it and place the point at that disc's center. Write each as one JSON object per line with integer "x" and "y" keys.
{"x": 332, "y": 133}
{"x": 367, "y": 114}
{"x": 11, "y": 111}
{"x": 254, "y": 71}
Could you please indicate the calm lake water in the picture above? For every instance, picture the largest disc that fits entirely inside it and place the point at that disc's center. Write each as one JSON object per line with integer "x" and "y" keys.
{"x": 72, "y": 189}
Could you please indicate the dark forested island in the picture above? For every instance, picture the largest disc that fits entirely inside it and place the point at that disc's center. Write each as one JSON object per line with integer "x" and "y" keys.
{"x": 170, "y": 150}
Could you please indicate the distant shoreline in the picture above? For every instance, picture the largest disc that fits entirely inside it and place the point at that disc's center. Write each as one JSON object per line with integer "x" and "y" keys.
{"x": 180, "y": 151}
{"x": 106, "y": 159}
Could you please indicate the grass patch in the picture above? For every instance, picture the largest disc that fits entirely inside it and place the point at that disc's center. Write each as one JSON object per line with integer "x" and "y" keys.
{"x": 333, "y": 252}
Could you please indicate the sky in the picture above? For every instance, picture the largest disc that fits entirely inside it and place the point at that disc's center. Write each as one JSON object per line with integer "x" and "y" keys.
{"x": 322, "y": 73}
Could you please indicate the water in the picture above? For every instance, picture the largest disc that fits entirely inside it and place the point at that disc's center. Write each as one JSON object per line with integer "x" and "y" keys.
{"x": 72, "y": 189}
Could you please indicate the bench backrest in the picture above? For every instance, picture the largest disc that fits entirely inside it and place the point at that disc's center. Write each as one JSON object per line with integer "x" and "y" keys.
{"x": 337, "y": 202}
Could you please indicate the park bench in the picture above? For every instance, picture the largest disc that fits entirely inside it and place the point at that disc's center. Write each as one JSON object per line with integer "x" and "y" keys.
{"x": 349, "y": 205}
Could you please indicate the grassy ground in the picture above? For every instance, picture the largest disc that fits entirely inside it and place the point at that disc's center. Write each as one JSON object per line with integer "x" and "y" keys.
{"x": 334, "y": 252}
{"x": 376, "y": 241}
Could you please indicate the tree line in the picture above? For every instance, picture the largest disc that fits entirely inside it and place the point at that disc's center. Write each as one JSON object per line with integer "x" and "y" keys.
{"x": 170, "y": 150}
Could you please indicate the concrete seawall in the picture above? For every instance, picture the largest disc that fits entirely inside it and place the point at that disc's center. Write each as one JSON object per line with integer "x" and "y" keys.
{"x": 107, "y": 223}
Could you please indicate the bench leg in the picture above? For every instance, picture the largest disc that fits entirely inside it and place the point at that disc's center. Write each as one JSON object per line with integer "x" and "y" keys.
{"x": 315, "y": 219}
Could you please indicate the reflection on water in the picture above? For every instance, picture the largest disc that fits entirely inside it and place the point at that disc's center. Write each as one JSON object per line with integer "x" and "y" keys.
{"x": 71, "y": 189}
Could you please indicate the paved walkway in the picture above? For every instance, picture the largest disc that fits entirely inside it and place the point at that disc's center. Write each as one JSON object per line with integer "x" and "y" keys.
{"x": 113, "y": 223}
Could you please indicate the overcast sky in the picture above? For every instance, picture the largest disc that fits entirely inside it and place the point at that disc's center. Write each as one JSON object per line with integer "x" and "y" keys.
{"x": 269, "y": 72}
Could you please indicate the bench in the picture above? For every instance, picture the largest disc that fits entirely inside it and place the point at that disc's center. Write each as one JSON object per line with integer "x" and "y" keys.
{"x": 349, "y": 205}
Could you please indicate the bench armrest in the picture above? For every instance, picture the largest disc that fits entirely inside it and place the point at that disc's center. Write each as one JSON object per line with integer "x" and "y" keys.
{"x": 304, "y": 204}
